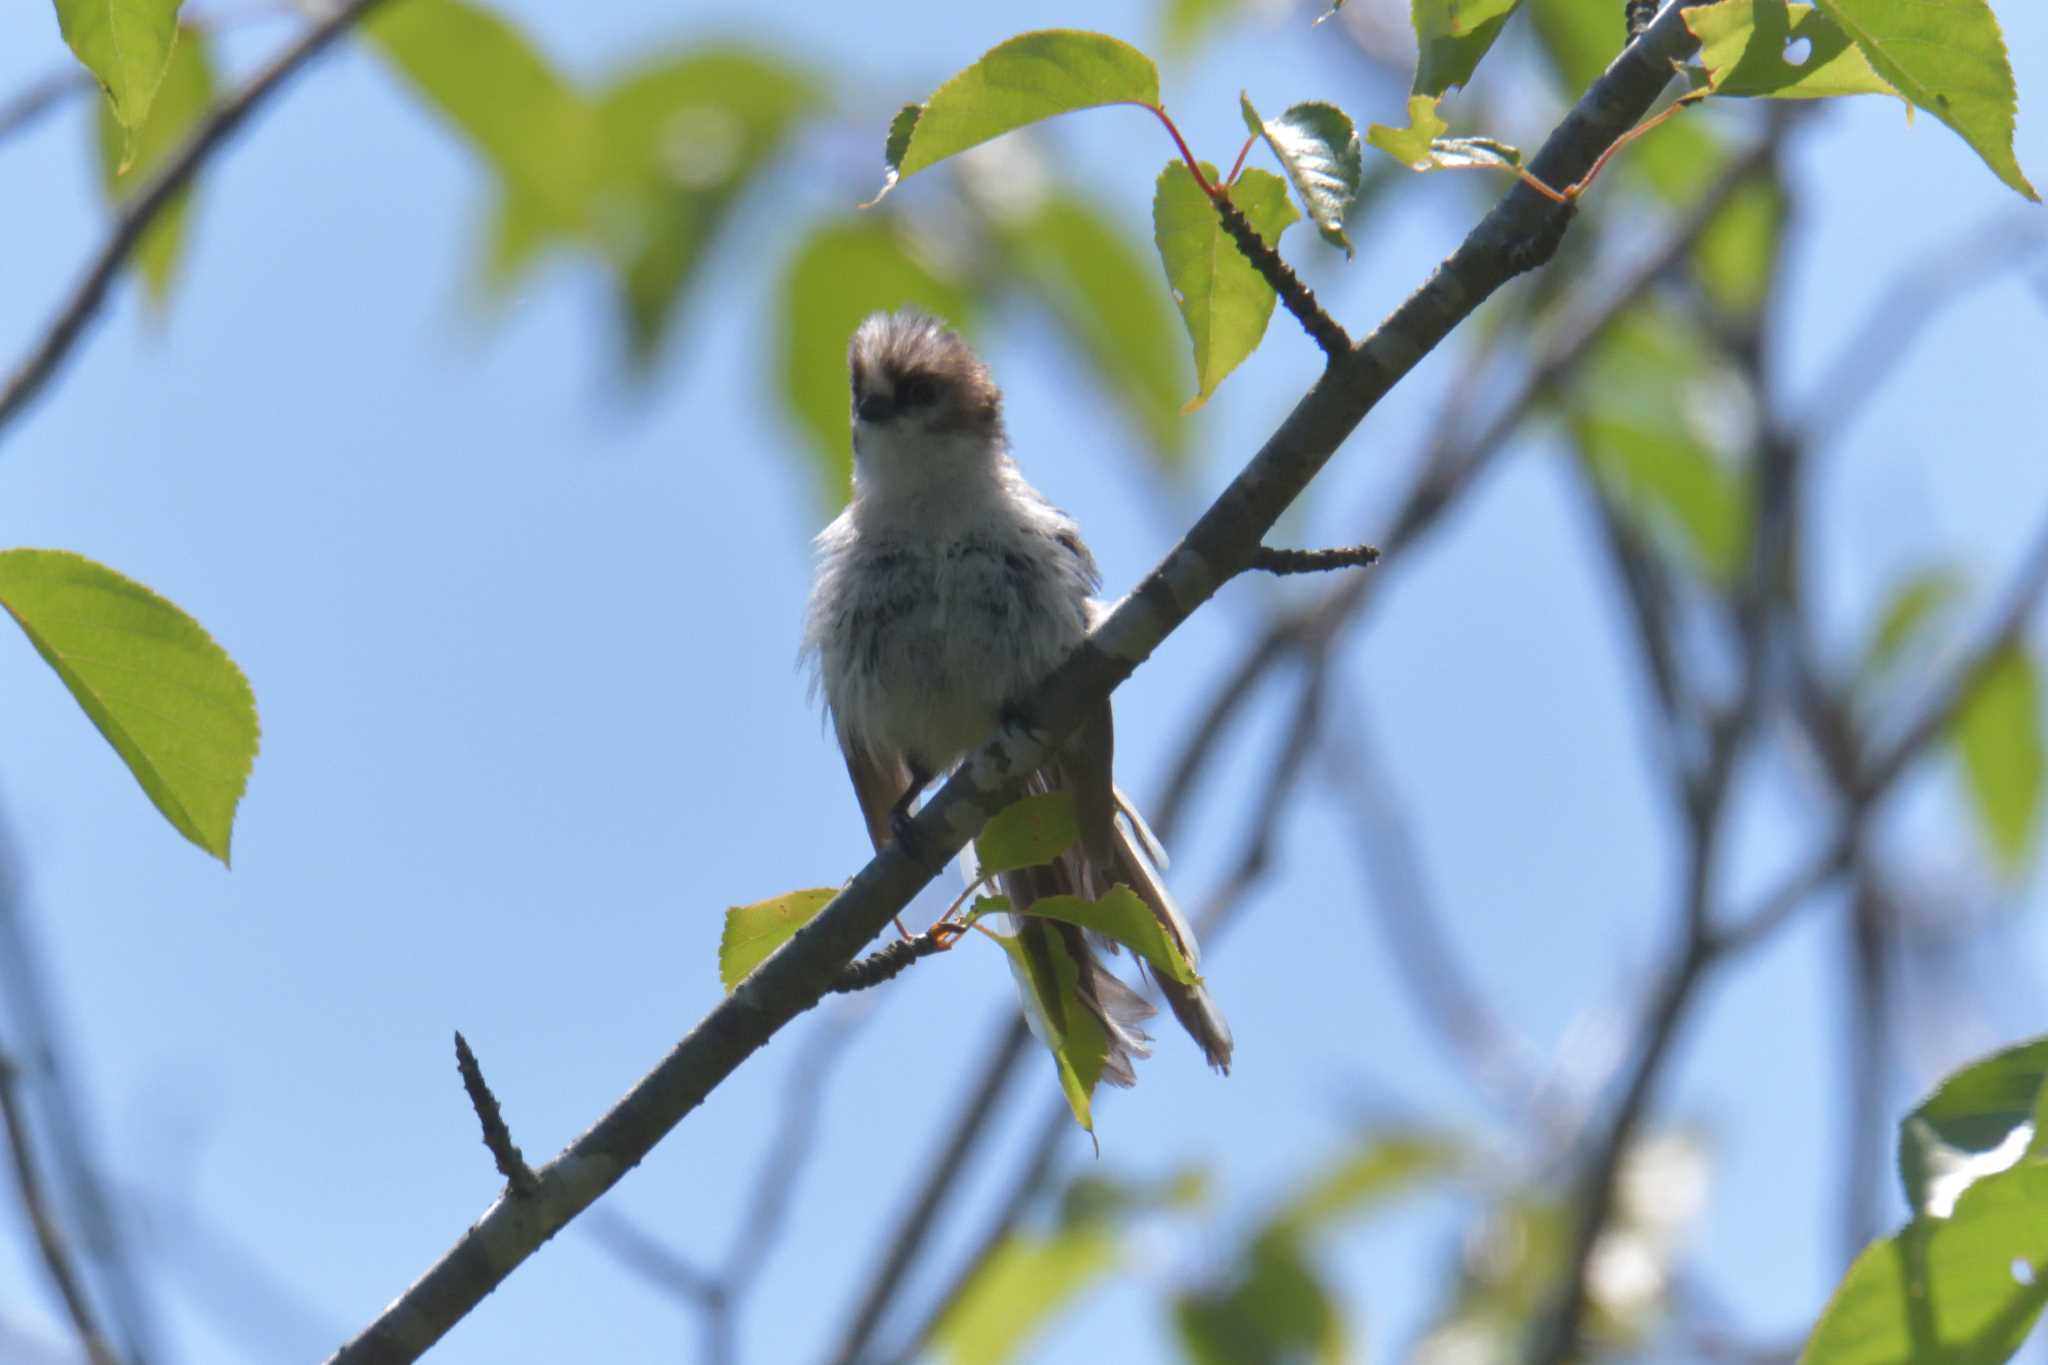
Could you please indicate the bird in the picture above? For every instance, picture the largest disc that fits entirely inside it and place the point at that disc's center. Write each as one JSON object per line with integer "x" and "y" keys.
{"x": 946, "y": 590}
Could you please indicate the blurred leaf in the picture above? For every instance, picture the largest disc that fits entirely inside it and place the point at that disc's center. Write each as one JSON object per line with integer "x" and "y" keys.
{"x": 1919, "y": 603}
{"x": 1380, "y": 1168}
{"x": 1962, "y": 1290}
{"x": 1948, "y": 57}
{"x": 1224, "y": 302}
{"x": 1737, "y": 253}
{"x": 1276, "y": 1309}
{"x": 1098, "y": 1199}
{"x": 1030, "y": 77}
{"x": 841, "y": 273}
{"x": 1976, "y": 1123}
{"x": 1997, "y": 734}
{"x": 1049, "y": 980}
{"x": 1579, "y": 39}
{"x": 535, "y": 131}
{"x": 1410, "y": 146}
{"x": 127, "y": 45}
{"x": 182, "y": 98}
{"x": 1452, "y": 35}
{"x": 1185, "y": 23}
{"x": 1318, "y": 148}
{"x": 1121, "y": 916}
{"x": 1097, "y": 285}
{"x": 1028, "y": 832}
{"x": 1021, "y": 1287}
{"x": 171, "y": 702}
{"x": 1677, "y": 157}
{"x": 1641, "y": 413}
{"x": 1743, "y": 50}
{"x": 753, "y": 932}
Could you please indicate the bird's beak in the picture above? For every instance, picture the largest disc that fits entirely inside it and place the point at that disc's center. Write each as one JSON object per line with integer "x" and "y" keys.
{"x": 875, "y": 408}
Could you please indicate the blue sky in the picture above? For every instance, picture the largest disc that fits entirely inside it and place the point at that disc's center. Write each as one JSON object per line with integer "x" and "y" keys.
{"x": 524, "y": 640}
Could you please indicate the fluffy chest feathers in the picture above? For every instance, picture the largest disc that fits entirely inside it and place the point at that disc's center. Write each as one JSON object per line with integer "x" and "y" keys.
{"x": 922, "y": 624}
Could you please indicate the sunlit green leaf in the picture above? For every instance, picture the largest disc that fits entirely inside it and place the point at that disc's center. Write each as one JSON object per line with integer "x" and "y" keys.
{"x": 1579, "y": 39}
{"x": 1027, "y": 833}
{"x": 1743, "y": 50}
{"x": 1224, "y": 302}
{"x": 1737, "y": 253}
{"x": 182, "y": 98}
{"x": 1917, "y": 605}
{"x": 171, "y": 702}
{"x": 1026, "y": 1282}
{"x": 1031, "y": 77}
{"x": 1948, "y": 57}
{"x": 1276, "y": 1308}
{"x": 1048, "y": 979}
{"x": 1961, "y": 1290}
{"x": 1452, "y": 35}
{"x": 1410, "y": 146}
{"x": 841, "y": 273}
{"x": 1380, "y": 1168}
{"x": 1120, "y": 915}
{"x": 126, "y": 44}
{"x": 1997, "y": 734}
{"x": 1318, "y": 149}
{"x": 1185, "y": 23}
{"x": 753, "y": 932}
{"x": 1978, "y": 1122}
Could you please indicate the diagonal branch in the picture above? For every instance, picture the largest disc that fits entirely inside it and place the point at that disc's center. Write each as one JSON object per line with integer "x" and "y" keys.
{"x": 1219, "y": 544}
{"x": 137, "y": 213}
{"x": 49, "y": 1238}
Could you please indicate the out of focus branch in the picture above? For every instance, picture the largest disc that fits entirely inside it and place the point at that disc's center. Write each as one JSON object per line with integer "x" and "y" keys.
{"x": 50, "y": 1240}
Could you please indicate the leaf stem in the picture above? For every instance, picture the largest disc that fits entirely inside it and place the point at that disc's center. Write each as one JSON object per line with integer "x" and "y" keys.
{"x": 1194, "y": 166}
{"x": 1242, "y": 153}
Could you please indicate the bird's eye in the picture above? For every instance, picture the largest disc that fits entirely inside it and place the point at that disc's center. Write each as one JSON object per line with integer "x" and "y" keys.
{"x": 918, "y": 391}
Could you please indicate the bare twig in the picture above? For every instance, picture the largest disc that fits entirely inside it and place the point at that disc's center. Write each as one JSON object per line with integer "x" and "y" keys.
{"x": 497, "y": 1136}
{"x": 1272, "y": 561}
{"x": 1299, "y": 298}
{"x": 42, "y": 1217}
{"x": 886, "y": 963}
{"x": 141, "y": 209}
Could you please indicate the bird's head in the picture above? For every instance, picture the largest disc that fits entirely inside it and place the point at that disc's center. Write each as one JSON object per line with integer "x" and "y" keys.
{"x": 926, "y": 414}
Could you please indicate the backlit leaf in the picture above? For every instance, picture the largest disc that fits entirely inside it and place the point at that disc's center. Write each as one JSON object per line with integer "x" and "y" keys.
{"x": 1410, "y": 146}
{"x": 1022, "y": 1286}
{"x": 1224, "y": 302}
{"x": 1121, "y": 916}
{"x": 1917, "y": 605}
{"x": 1048, "y": 979}
{"x": 1744, "y": 51}
{"x": 127, "y": 156}
{"x": 126, "y": 44}
{"x": 1451, "y": 36}
{"x": 753, "y": 932}
{"x": 1027, "y": 833}
{"x": 171, "y": 702}
{"x": 1997, "y": 734}
{"x": 1978, "y": 1122}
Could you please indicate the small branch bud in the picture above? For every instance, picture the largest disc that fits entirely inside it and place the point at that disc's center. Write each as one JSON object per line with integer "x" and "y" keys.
{"x": 497, "y": 1136}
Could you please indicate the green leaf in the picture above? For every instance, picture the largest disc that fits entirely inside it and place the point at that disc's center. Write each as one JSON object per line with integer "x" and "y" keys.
{"x": 1737, "y": 253}
{"x": 1318, "y": 148}
{"x": 126, "y": 155}
{"x": 533, "y": 129}
{"x": 1997, "y": 734}
{"x": 841, "y": 273}
{"x": 1578, "y": 38}
{"x": 1276, "y": 1308}
{"x": 1121, "y": 916}
{"x": 1976, "y": 1123}
{"x": 127, "y": 46}
{"x": 1946, "y": 1289}
{"x": 1410, "y": 146}
{"x": 1379, "y": 1169}
{"x": 1049, "y": 979}
{"x": 1096, "y": 283}
{"x": 1026, "y": 1282}
{"x": 1917, "y": 604}
{"x": 1452, "y": 35}
{"x": 170, "y": 700}
{"x": 1743, "y": 51}
{"x": 1948, "y": 57}
{"x": 1224, "y": 302}
{"x": 753, "y": 932}
{"x": 1028, "y": 832}
{"x": 1031, "y": 77}
{"x": 1185, "y": 23}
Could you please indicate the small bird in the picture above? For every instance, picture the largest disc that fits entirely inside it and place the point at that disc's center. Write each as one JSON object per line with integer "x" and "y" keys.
{"x": 947, "y": 589}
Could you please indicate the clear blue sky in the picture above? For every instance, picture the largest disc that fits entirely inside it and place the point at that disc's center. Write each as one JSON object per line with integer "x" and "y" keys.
{"x": 524, "y": 647}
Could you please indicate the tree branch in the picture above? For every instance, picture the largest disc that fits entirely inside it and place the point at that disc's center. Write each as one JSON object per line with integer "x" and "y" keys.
{"x": 49, "y": 1238}
{"x": 1214, "y": 549}
{"x": 137, "y": 213}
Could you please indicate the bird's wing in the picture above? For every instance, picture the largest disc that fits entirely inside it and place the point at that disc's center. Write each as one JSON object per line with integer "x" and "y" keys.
{"x": 878, "y": 786}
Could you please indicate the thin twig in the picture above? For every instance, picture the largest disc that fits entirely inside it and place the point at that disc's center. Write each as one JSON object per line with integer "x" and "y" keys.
{"x": 42, "y": 1217}
{"x": 497, "y": 1136}
{"x": 1272, "y": 561}
{"x": 886, "y": 963}
{"x": 152, "y": 198}
{"x": 1299, "y": 298}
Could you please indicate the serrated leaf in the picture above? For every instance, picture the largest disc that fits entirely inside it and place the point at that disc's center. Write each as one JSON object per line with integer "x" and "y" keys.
{"x": 1028, "y": 78}
{"x": 1318, "y": 148}
{"x": 842, "y": 272}
{"x": 1410, "y": 146}
{"x": 128, "y": 155}
{"x": 1451, "y": 36}
{"x": 1095, "y": 281}
{"x": 1948, "y": 57}
{"x": 1121, "y": 916}
{"x": 1023, "y": 1284}
{"x": 1917, "y": 604}
{"x": 1048, "y": 980}
{"x": 171, "y": 702}
{"x": 126, "y": 44}
{"x": 1743, "y": 46}
{"x": 1978, "y": 1122}
{"x": 753, "y": 932}
{"x": 1028, "y": 832}
{"x": 1224, "y": 302}
{"x": 1997, "y": 735}
{"x": 1946, "y": 1289}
